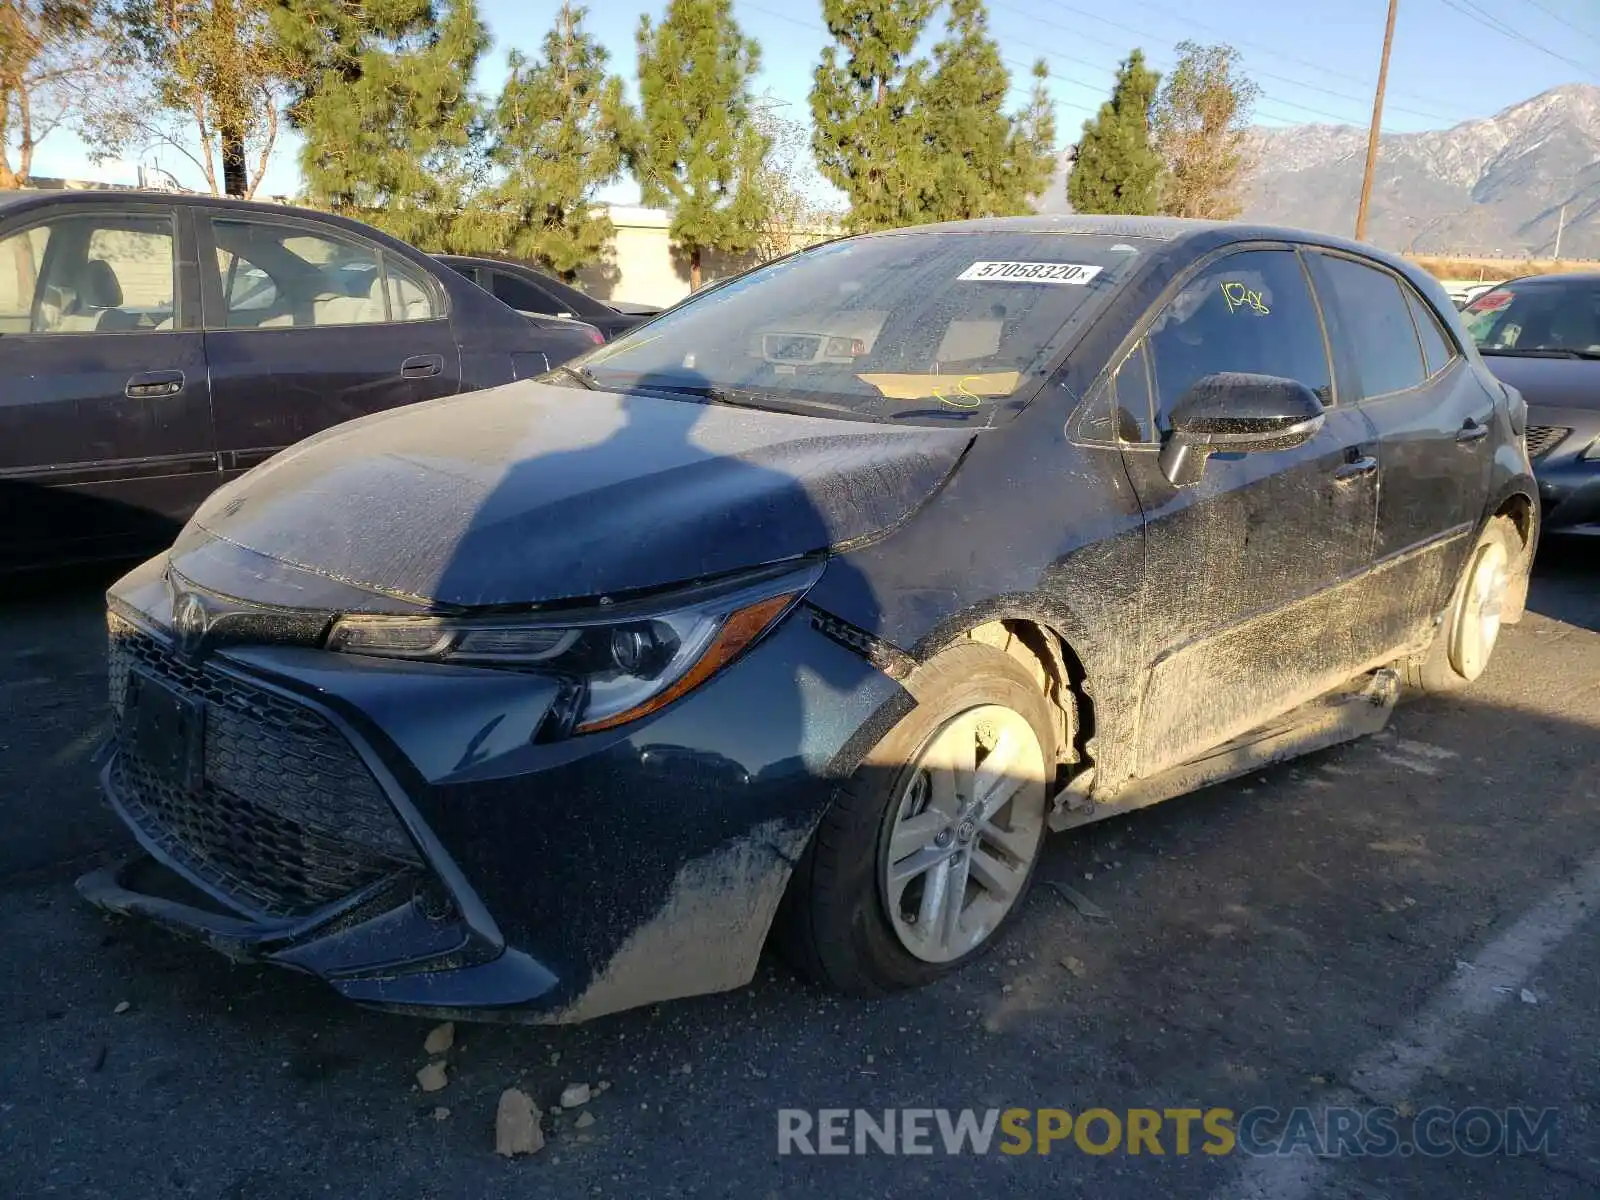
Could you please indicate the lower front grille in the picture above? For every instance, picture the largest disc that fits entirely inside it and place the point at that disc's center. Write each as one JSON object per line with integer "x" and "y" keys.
{"x": 1544, "y": 438}
{"x": 284, "y": 817}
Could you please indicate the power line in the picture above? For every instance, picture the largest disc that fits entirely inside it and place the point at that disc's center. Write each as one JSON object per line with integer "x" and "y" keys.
{"x": 1560, "y": 20}
{"x": 1273, "y": 99}
{"x": 1433, "y": 114}
{"x": 1471, "y": 11}
{"x": 1270, "y": 105}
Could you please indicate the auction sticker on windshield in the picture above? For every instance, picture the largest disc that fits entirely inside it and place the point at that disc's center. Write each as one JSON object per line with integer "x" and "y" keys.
{"x": 1029, "y": 272}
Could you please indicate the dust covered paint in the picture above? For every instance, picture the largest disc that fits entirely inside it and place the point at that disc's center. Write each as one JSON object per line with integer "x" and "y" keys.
{"x": 609, "y": 646}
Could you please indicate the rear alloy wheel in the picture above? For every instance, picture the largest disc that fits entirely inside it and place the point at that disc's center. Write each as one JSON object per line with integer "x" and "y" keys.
{"x": 1477, "y": 618}
{"x": 965, "y": 833}
{"x": 927, "y": 851}
{"x": 1466, "y": 640}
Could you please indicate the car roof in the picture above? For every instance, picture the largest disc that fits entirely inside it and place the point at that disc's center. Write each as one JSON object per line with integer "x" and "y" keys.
{"x": 1176, "y": 236}
{"x": 1561, "y": 277}
{"x": 485, "y": 260}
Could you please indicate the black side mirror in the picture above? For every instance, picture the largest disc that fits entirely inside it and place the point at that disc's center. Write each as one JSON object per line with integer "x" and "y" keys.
{"x": 1233, "y": 412}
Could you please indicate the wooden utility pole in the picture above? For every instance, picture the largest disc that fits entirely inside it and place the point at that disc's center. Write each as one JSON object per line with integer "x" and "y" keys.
{"x": 1377, "y": 125}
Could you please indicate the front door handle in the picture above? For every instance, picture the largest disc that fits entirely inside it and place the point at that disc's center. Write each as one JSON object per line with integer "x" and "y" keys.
{"x": 1358, "y": 468}
{"x": 153, "y": 383}
{"x": 1472, "y": 431}
{"x": 422, "y": 366}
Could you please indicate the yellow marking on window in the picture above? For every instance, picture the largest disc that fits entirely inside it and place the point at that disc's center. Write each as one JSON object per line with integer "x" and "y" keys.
{"x": 957, "y": 391}
{"x": 1239, "y": 296}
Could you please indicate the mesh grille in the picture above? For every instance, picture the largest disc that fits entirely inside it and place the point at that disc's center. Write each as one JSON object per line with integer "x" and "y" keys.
{"x": 286, "y": 817}
{"x": 1544, "y": 438}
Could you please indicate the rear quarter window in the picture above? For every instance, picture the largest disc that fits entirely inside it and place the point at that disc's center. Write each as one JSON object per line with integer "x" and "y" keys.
{"x": 1377, "y": 323}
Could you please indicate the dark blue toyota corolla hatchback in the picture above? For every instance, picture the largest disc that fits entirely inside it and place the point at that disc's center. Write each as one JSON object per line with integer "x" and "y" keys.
{"x": 808, "y": 608}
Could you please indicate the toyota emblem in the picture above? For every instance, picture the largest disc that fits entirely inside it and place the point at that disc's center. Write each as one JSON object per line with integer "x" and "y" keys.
{"x": 190, "y": 622}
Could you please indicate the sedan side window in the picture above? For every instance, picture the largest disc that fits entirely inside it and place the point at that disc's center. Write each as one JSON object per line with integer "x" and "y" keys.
{"x": 1377, "y": 323}
{"x": 411, "y": 293}
{"x": 90, "y": 274}
{"x": 1436, "y": 348}
{"x": 1249, "y": 312}
{"x": 524, "y": 296}
{"x": 21, "y": 260}
{"x": 273, "y": 275}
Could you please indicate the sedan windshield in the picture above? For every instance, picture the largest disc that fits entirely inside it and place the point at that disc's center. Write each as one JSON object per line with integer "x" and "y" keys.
{"x": 918, "y": 325}
{"x": 1538, "y": 317}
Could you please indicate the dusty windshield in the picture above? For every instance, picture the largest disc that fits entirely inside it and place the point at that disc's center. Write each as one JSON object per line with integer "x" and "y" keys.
{"x": 900, "y": 326}
{"x": 1539, "y": 317}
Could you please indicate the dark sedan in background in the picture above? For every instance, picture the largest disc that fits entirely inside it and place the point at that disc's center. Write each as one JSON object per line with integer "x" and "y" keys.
{"x": 531, "y": 291}
{"x": 1541, "y": 335}
{"x": 153, "y": 346}
{"x": 812, "y": 605}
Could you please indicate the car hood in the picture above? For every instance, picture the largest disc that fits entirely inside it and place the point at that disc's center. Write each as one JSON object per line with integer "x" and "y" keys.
{"x": 534, "y": 493}
{"x": 1550, "y": 382}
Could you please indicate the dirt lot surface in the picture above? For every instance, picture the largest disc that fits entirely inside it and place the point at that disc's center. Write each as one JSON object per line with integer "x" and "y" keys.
{"x": 1407, "y": 921}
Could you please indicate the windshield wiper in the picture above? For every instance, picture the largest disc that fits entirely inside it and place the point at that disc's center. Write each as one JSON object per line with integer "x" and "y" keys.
{"x": 1535, "y": 352}
{"x": 744, "y": 398}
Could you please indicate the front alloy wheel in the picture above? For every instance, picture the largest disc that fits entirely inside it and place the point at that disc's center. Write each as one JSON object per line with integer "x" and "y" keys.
{"x": 965, "y": 833}
{"x": 925, "y": 855}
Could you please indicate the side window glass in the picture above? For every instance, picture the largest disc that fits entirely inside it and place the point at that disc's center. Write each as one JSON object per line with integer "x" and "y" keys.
{"x": 1376, "y": 321}
{"x": 21, "y": 261}
{"x": 305, "y": 279}
{"x": 1249, "y": 312}
{"x": 522, "y": 295}
{"x": 246, "y": 287}
{"x": 91, "y": 274}
{"x": 1436, "y": 351}
{"x": 1131, "y": 396}
{"x": 410, "y": 292}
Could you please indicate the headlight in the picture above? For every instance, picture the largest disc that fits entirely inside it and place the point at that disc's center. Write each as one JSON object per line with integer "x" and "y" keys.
{"x": 1593, "y": 452}
{"x": 621, "y": 661}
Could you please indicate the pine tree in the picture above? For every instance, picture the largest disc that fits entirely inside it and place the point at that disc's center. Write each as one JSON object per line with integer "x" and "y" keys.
{"x": 911, "y": 141}
{"x": 697, "y": 150}
{"x": 1116, "y": 170}
{"x": 559, "y": 129}
{"x": 989, "y": 163}
{"x": 386, "y": 111}
{"x": 1201, "y": 126}
{"x": 869, "y": 138}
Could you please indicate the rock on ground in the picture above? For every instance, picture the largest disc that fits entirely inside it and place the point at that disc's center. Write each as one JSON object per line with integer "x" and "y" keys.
{"x": 516, "y": 1125}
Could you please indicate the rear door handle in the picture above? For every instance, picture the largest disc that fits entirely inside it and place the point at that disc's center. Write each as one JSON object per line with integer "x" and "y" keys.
{"x": 422, "y": 366}
{"x": 153, "y": 383}
{"x": 1358, "y": 468}
{"x": 1472, "y": 431}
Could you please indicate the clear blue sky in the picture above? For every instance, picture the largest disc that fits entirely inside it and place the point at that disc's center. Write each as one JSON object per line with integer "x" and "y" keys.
{"x": 1315, "y": 60}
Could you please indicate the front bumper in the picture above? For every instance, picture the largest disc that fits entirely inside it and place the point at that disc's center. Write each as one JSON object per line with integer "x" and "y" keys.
{"x": 1569, "y": 485}
{"x": 543, "y": 882}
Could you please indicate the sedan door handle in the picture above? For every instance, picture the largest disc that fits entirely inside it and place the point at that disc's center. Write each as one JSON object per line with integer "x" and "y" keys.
{"x": 1472, "y": 431}
{"x": 422, "y": 366}
{"x": 153, "y": 383}
{"x": 1358, "y": 468}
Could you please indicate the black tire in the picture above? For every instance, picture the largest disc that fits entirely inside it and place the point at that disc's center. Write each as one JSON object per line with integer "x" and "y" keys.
{"x": 1432, "y": 672}
{"x": 833, "y": 926}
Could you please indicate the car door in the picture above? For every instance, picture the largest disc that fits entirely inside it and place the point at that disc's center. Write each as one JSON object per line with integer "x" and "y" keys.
{"x": 1434, "y": 419}
{"x": 1246, "y": 607}
{"x": 105, "y": 422}
{"x": 308, "y": 325}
